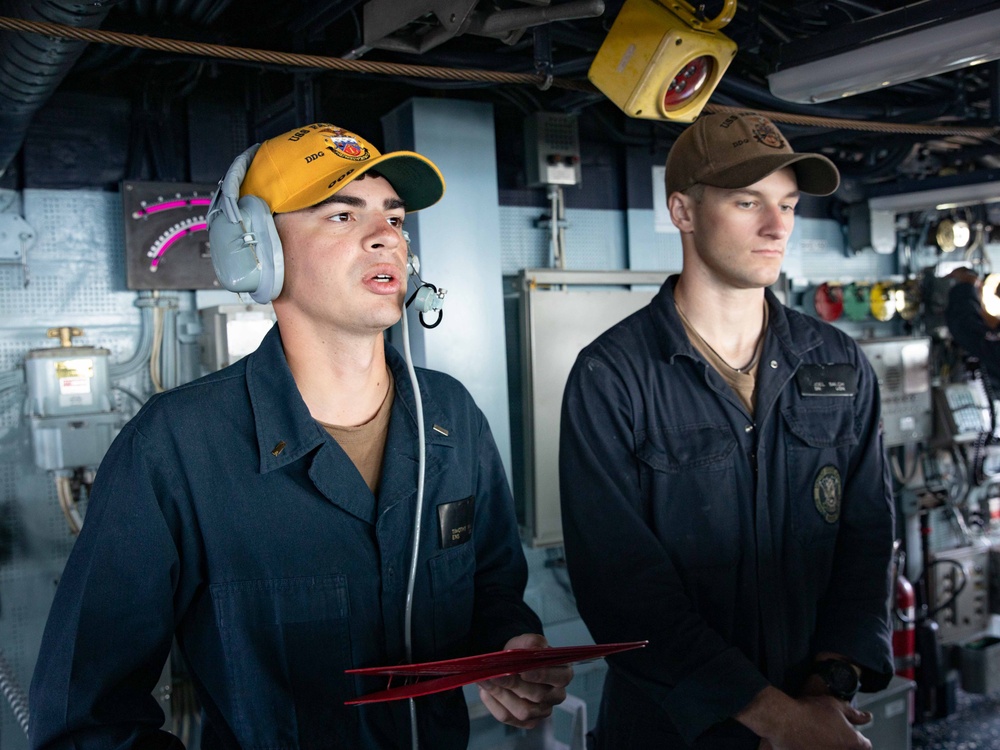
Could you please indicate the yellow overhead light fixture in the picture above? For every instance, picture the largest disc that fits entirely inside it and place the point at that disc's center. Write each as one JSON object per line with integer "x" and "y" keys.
{"x": 662, "y": 61}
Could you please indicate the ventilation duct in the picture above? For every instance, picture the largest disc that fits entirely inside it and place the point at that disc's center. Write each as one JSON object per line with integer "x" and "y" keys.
{"x": 32, "y": 66}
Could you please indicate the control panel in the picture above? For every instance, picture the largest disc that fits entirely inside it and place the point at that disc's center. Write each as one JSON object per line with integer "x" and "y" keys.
{"x": 901, "y": 368}
{"x": 960, "y": 591}
{"x": 964, "y": 411}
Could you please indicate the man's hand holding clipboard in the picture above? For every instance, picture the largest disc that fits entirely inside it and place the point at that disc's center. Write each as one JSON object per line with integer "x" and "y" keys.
{"x": 453, "y": 673}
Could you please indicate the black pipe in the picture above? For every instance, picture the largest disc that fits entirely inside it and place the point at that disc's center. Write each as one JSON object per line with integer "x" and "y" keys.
{"x": 762, "y": 97}
{"x": 32, "y": 66}
{"x": 994, "y": 84}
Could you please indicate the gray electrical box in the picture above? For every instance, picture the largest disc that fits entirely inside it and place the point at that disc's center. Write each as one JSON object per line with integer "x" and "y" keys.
{"x": 230, "y": 332}
{"x": 561, "y": 313}
{"x": 889, "y": 728}
{"x": 67, "y": 380}
{"x": 552, "y": 149}
{"x": 979, "y": 665}
{"x": 72, "y": 422}
{"x": 71, "y": 442}
{"x": 902, "y": 367}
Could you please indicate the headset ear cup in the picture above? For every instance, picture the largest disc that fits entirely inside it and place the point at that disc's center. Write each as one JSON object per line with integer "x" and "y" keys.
{"x": 233, "y": 258}
{"x": 269, "y": 257}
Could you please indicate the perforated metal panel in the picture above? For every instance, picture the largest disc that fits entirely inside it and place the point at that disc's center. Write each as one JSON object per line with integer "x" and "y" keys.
{"x": 76, "y": 267}
{"x": 76, "y": 277}
{"x": 595, "y": 240}
{"x": 816, "y": 252}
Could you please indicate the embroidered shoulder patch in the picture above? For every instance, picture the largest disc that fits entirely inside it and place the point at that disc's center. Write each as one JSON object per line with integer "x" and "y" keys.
{"x": 827, "y": 491}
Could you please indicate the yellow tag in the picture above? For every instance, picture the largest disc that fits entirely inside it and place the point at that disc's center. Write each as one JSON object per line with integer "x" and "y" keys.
{"x": 75, "y": 368}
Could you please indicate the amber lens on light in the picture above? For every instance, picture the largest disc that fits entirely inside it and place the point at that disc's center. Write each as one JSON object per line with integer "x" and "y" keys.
{"x": 883, "y": 302}
{"x": 688, "y": 82}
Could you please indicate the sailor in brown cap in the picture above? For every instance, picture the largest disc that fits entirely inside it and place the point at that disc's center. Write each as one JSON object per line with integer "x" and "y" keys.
{"x": 724, "y": 490}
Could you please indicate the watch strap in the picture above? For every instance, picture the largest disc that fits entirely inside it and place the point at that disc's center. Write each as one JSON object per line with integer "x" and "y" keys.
{"x": 839, "y": 676}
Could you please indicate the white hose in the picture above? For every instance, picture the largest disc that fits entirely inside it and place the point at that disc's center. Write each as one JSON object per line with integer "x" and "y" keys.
{"x": 64, "y": 490}
{"x": 422, "y": 450}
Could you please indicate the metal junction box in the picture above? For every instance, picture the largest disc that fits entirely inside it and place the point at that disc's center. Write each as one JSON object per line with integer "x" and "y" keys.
{"x": 561, "y": 313}
{"x": 72, "y": 422}
{"x": 961, "y": 576}
{"x": 902, "y": 368}
{"x": 230, "y": 332}
{"x": 552, "y": 146}
{"x": 890, "y": 708}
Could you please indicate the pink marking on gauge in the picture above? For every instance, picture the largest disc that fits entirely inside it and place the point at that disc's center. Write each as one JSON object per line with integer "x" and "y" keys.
{"x": 155, "y": 208}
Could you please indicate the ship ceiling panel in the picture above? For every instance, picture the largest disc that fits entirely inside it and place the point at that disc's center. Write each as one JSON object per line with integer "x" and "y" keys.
{"x": 159, "y": 86}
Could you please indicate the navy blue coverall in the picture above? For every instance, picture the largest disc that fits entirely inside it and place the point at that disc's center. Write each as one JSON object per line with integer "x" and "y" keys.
{"x": 739, "y": 545}
{"x": 225, "y": 514}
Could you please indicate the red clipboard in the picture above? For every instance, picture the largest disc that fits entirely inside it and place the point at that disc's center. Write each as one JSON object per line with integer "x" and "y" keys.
{"x": 453, "y": 673}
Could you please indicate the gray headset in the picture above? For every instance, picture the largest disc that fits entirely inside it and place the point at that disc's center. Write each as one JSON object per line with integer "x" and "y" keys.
{"x": 242, "y": 238}
{"x": 246, "y": 250}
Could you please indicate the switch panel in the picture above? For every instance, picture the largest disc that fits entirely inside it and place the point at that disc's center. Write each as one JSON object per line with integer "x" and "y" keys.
{"x": 966, "y": 613}
{"x": 901, "y": 367}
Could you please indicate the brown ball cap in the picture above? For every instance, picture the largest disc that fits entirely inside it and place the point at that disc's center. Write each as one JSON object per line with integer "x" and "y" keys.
{"x": 736, "y": 150}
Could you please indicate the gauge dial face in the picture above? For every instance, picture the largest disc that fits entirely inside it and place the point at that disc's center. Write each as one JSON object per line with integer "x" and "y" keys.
{"x": 166, "y": 235}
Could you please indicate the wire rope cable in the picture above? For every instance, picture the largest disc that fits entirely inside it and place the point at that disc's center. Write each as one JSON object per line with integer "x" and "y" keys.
{"x": 322, "y": 62}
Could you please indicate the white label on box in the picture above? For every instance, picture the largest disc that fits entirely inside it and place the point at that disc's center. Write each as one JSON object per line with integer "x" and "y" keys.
{"x": 74, "y": 375}
{"x": 74, "y": 385}
{"x": 560, "y": 174}
{"x": 895, "y": 708}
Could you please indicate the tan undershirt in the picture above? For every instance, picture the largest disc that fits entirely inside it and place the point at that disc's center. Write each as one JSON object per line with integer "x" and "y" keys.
{"x": 744, "y": 384}
{"x": 364, "y": 444}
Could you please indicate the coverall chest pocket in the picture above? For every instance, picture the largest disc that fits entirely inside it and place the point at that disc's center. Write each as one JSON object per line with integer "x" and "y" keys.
{"x": 818, "y": 448}
{"x": 688, "y": 480}
{"x": 453, "y": 575}
{"x": 286, "y": 643}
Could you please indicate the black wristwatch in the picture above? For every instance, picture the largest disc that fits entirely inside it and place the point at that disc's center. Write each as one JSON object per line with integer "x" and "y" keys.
{"x": 839, "y": 676}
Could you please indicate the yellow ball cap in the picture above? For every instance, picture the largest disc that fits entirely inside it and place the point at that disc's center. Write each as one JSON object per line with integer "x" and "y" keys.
{"x": 307, "y": 165}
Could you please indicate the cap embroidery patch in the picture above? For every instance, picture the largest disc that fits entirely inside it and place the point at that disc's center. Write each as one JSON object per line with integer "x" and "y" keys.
{"x": 345, "y": 145}
{"x": 827, "y": 491}
{"x": 766, "y": 133}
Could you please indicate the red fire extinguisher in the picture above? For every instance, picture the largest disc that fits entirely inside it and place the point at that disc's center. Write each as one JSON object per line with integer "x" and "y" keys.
{"x": 904, "y": 632}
